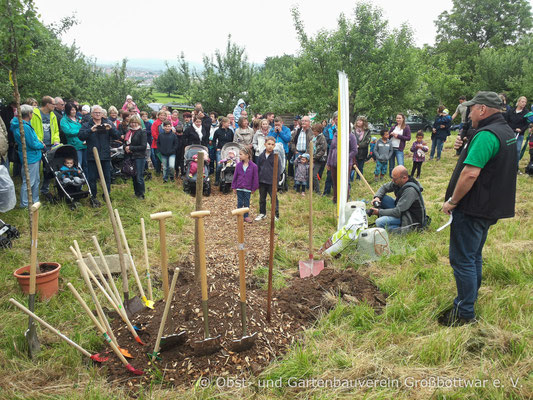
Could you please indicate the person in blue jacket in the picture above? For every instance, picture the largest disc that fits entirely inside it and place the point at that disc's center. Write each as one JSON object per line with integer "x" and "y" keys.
{"x": 33, "y": 152}
{"x": 441, "y": 131}
{"x": 282, "y": 134}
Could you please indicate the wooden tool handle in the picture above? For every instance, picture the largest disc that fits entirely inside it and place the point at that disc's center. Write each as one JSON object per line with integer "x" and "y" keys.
{"x": 240, "y": 246}
{"x": 125, "y": 288}
{"x": 33, "y": 250}
{"x": 365, "y": 181}
{"x": 165, "y": 313}
{"x": 311, "y": 178}
{"x": 200, "y": 214}
{"x": 107, "y": 271}
{"x": 146, "y": 261}
{"x": 161, "y": 215}
{"x": 240, "y": 211}
{"x": 164, "y": 257}
{"x": 35, "y": 206}
{"x": 128, "y": 252}
{"x": 50, "y": 327}
{"x": 201, "y": 250}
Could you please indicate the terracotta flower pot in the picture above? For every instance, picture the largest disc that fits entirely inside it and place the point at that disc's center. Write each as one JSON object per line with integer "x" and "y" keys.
{"x": 47, "y": 282}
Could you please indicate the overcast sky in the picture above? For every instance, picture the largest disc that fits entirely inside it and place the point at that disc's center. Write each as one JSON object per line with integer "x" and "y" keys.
{"x": 111, "y": 30}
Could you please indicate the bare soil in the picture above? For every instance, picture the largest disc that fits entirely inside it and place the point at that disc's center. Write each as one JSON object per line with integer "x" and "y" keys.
{"x": 293, "y": 308}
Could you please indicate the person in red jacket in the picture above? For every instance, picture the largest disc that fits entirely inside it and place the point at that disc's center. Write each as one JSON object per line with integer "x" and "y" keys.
{"x": 154, "y": 153}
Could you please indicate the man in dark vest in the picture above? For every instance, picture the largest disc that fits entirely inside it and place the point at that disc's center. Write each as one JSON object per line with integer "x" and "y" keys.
{"x": 482, "y": 190}
{"x": 407, "y": 211}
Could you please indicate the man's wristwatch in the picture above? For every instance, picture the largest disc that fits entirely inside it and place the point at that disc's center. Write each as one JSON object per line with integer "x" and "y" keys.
{"x": 451, "y": 202}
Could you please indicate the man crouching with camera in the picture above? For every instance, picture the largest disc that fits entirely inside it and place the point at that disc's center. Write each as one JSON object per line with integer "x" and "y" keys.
{"x": 97, "y": 132}
{"x": 407, "y": 211}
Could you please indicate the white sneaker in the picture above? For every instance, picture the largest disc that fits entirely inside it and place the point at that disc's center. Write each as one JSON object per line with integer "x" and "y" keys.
{"x": 260, "y": 217}
{"x": 276, "y": 219}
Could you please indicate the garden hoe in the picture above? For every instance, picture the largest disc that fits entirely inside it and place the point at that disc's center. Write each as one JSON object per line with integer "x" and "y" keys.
{"x": 182, "y": 335}
{"x": 101, "y": 316}
{"x": 110, "y": 298}
{"x": 102, "y": 330}
{"x": 246, "y": 341}
{"x": 210, "y": 344}
{"x": 31, "y": 334}
{"x": 95, "y": 357}
{"x": 147, "y": 303}
{"x": 311, "y": 266}
{"x": 134, "y": 305}
{"x": 161, "y": 217}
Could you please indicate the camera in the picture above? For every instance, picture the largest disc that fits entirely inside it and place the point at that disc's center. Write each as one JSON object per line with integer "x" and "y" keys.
{"x": 375, "y": 204}
{"x": 100, "y": 128}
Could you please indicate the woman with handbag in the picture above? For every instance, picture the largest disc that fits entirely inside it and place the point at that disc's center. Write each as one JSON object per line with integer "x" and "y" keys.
{"x": 135, "y": 154}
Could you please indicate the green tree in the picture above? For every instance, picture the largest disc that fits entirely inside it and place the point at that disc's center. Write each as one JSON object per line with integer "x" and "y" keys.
{"x": 487, "y": 23}
{"x": 225, "y": 78}
{"x": 380, "y": 65}
{"x": 167, "y": 82}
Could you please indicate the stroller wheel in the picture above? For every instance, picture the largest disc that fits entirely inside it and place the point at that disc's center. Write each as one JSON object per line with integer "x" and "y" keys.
{"x": 74, "y": 205}
{"x": 5, "y": 243}
{"x": 50, "y": 198}
{"x": 207, "y": 190}
{"x": 13, "y": 233}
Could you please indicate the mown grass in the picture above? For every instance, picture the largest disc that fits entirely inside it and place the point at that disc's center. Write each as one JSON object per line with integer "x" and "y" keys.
{"x": 403, "y": 345}
{"x": 165, "y": 98}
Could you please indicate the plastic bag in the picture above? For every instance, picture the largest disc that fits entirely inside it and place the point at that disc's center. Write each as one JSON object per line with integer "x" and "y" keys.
{"x": 8, "y": 198}
{"x": 348, "y": 234}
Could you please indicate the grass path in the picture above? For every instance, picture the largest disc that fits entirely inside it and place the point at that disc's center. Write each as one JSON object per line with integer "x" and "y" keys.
{"x": 402, "y": 352}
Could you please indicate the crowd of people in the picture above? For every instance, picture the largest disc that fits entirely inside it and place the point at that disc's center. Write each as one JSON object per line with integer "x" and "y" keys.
{"x": 164, "y": 136}
{"x": 489, "y": 146}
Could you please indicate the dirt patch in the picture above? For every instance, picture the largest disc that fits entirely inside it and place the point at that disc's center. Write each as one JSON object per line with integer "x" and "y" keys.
{"x": 293, "y": 308}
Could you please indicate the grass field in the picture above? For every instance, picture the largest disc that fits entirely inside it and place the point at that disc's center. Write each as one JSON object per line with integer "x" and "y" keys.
{"x": 401, "y": 353}
{"x": 165, "y": 98}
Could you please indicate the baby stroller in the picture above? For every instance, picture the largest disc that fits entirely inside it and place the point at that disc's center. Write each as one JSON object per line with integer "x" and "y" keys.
{"x": 53, "y": 161}
{"x": 7, "y": 234}
{"x": 228, "y": 166}
{"x": 189, "y": 181}
{"x": 117, "y": 161}
{"x": 282, "y": 184}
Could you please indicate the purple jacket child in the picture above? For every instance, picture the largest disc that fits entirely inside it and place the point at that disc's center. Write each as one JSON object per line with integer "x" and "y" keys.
{"x": 248, "y": 180}
{"x": 419, "y": 155}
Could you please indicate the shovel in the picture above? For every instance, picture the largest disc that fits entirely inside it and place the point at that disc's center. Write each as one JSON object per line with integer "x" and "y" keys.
{"x": 180, "y": 335}
{"x": 209, "y": 344}
{"x": 95, "y": 357}
{"x": 246, "y": 341}
{"x": 135, "y": 305}
{"x": 31, "y": 335}
{"x": 147, "y": 303}
{"x": 311, "y": 266}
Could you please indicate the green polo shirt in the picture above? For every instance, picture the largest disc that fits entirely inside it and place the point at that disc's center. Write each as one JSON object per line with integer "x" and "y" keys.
{"x": 484, "y": 146}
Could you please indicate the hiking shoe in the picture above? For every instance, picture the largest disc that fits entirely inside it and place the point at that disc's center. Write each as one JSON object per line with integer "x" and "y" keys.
{"x": 260, "y": 217}
{"x": 248, "y": 219}
{"x": 94, "y": 202}
{"x": 276, "y": 219}
{"x": 452, "y": 318}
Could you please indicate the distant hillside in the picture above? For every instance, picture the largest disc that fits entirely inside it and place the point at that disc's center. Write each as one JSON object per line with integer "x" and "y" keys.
{"x": 148, "y": 64}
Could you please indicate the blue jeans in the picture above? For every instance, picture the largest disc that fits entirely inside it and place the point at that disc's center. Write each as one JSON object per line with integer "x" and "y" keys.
{"x": 397, "y": 157}
{"x": 327, "y": 185}
{"x": 93, "y": 175}
{"x": 388, "y": 222}
{"x": 218, "y": 168}
{"x": 243, "y": 200}
{"x": 34, "y": 182}
{"x": 436, "y": 144}
{"x": 82, "y": 159}
{"x": 138, "y": 179}
{"x": 519, "y": 142}
{"x": 467, "y": 238}
{"x": 155, "y": 160}
{"x": 360, "y": 166}
{"x": 168, "y": 166}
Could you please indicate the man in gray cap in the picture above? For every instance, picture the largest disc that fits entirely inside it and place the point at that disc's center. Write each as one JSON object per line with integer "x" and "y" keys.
{"x": 482, "y": 190}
